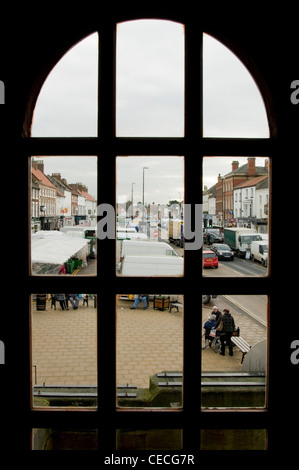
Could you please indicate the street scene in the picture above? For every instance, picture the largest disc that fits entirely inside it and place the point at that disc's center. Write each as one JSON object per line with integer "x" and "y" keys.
{"x": 149, "y": 242}
{"x": 149, "y": 339}
{"x": 150, "y": 235}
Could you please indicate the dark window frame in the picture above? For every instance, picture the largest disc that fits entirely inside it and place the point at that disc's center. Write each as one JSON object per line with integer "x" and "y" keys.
{"x": 193, "y": 147}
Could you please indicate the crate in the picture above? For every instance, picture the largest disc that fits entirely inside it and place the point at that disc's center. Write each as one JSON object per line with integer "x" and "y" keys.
{"x": 161, "y": 303}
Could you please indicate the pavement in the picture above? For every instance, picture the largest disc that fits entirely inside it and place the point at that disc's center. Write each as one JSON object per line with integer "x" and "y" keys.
{"x": 64, "y": 343}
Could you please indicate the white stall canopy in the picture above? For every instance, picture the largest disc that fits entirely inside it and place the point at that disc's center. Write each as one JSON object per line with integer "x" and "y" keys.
{"x": 51, "y": 249}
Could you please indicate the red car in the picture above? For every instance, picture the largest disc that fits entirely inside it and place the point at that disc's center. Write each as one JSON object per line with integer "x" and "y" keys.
{"x": 210, "y": 259}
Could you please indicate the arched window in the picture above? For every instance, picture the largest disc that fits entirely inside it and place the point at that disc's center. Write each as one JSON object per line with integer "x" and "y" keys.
{"x": 156, "y": 131}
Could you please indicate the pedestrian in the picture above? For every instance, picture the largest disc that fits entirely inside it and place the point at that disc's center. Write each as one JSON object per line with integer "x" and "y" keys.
{"x": 53, "y": 301}
{"x": 228, "y": 326}
{"x": 74, "y": 299}
{"x": 216, "y": 312}
{"x": 61, "y": 300}
{"x": 208, "y": 326}
{"x": 140, "y": 298}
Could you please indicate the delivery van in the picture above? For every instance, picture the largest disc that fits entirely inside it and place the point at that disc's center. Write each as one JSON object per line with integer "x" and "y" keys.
{"x": 259, "y": 251}
{"x": 152, "y": 265}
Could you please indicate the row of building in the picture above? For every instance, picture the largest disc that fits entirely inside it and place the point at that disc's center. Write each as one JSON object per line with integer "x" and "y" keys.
{"x": 55, "y": 203}
{"x": 239, "y": 198}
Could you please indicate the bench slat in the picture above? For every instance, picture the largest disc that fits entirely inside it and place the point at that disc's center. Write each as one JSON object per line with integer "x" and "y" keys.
{"x": 241, "y": 344}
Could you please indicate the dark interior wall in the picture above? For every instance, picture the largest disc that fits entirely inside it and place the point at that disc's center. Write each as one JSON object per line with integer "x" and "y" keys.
{"x": 268, "y": 44}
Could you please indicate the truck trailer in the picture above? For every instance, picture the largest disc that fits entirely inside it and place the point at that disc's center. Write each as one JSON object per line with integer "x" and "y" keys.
{"x": 176, "y": 232}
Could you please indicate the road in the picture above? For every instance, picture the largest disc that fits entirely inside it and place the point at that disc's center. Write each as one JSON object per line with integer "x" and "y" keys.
{"x": 253, "y": 305}
{"x": 246, "y": 267}
{"x": 238, "y": 267}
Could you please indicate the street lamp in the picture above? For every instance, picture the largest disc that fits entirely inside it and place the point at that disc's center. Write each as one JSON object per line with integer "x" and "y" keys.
{"x": 132, "y": 201}
{"x": 143, "y": 216}
{"x": 144, "y": 168}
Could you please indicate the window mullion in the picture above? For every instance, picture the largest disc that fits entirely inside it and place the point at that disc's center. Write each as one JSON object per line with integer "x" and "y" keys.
{"x": 193, "y": 261}
{"x": 106, "y": 247}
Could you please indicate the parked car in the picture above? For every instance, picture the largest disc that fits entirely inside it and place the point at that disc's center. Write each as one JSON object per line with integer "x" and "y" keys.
{"x": 209, "y": 259}
{"x": 223, "y": 251}
{"x": 211, "y": 237}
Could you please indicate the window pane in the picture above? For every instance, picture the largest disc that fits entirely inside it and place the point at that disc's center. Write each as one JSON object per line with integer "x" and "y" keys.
{"x": 150, "y": 79}
{"x": 151, "y": 439}
{"x": 67, "y": 104}
{"x": 64, "y": 439}
{"x": 150, "y": 193}
{"x": 64, "y": 349}
{"x": 232, "y": 104}
{"x": 149, "y": 361}
{"x": 236, "y": 201}
{"x": 236, "y": 379}
{"x": 63, "y": 215}
{"x": 233, "y": 439}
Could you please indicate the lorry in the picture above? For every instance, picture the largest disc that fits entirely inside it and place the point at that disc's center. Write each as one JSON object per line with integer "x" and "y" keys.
{"x": 239, "y": 239}
{"x": 176, "y": 232}
{"x": 259, "y": 251}
{"x": 152, "y": 265}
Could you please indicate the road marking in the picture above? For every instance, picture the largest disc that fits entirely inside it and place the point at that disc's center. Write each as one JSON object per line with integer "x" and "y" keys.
{"x": 253, "y": 315}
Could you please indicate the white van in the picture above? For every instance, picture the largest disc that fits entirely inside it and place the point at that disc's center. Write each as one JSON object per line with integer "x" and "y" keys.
{"x": 152, "y": 265}
{"x": 259, "y": 251}
{"x": 146, "y": 247}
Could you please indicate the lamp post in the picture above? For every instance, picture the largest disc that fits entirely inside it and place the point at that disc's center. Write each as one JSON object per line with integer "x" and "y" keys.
{"x": 143, "y": 217}
{"x": 144, "y": 168}
{"x": 132, "y": 201}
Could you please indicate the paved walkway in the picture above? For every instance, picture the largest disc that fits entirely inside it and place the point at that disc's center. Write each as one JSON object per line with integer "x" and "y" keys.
{"x": 148, "y": 341}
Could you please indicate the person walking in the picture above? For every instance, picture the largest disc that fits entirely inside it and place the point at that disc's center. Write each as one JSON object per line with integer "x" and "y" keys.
{"x": 74, "y": 299}
{"x": 226, "y": 332}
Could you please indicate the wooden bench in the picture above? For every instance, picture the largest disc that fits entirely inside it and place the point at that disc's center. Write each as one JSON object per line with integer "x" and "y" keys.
{"x": 175, "y": 305}
{"x": 242, "y": 345}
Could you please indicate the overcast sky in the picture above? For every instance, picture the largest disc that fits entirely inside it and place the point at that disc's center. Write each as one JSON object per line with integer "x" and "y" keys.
{"x": 150, "y": 102}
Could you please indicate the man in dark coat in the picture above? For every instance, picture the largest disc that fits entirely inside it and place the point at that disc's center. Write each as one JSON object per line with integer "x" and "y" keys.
{"x": 226, "y": 332}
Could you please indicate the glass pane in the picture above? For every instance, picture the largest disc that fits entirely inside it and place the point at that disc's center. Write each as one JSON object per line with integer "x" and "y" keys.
{"x": 236, "y": 202}
{"x": 63, "y": 215}
{"x": 64, "y": 439}
{"x": 233, "y": 439}
{"x": 64, "y": 349}
{"x": 232, "y": 104}
{"x": 149, "y": 355}
{"x": 234, "y": 365}
{"x": 150, "y": 79}
{"x": 150, "y": 193}
{"x": 152, "y": 439}
{"x": 67, "y": 104}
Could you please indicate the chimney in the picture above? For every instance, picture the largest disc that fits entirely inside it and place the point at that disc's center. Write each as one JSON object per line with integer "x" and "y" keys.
{"x": 57, "y": 175}
{"x": 235, "y": 165}
{"x": 251, "y": 166}
{"x": 38, "y": 165}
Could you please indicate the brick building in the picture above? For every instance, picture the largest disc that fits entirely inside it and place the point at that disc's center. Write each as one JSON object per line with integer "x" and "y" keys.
{"x": 226, "y": 184}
